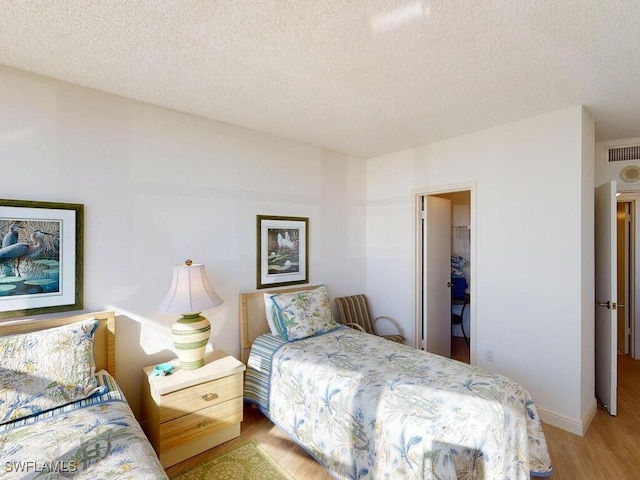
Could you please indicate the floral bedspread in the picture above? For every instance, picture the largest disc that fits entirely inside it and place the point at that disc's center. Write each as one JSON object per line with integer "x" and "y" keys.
{"x": 95, "y": 439}
{"x": 368, "y": 408}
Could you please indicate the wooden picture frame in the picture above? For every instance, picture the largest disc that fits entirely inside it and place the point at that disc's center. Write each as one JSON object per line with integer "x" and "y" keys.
{"x": 41, "y": 257}
{"x": 282, "y": 251}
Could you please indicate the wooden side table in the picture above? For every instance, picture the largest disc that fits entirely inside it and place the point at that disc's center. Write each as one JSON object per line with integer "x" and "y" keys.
{"x": 191, "y": 411}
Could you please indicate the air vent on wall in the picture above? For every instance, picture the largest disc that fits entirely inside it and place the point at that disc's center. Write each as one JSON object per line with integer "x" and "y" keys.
{"x": 623, "y": 154}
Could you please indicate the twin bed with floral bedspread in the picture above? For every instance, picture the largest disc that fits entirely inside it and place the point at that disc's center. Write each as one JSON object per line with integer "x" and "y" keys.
{"x": 58, "y": 417}
{"x": 368, "y": 408}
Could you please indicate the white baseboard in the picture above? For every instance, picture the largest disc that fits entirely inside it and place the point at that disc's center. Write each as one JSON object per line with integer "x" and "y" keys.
{"x": 588, "y": 417}
{"x": 571, "y": 426}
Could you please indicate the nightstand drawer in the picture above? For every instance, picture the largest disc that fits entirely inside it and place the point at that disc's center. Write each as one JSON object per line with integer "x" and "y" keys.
{"x": 198, "y": 397}
{"x": 203, "y": 422}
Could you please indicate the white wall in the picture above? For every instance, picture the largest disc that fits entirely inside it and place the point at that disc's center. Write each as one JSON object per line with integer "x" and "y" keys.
{"x": 160, "y": 187}
{"x": 532, "y": 254}
{"x": 588, "y": 404}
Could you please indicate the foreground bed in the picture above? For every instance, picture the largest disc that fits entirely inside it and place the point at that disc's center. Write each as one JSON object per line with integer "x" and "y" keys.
{"x": 365, "y": 407}
{"x": 58, "y": 419}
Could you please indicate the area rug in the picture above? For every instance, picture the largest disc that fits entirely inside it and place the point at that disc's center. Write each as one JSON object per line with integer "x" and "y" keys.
{"x": 247, "y": 461}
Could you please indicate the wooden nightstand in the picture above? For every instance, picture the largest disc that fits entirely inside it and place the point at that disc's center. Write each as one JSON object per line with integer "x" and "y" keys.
{"x": 191, "y": 411}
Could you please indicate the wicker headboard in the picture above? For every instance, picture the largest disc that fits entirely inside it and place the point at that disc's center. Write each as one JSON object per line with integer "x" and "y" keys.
{"x": 104, "y": 345}
{"x": 253, "y": 320}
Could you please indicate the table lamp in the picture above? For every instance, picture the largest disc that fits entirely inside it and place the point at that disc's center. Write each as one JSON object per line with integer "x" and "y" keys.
{"x": 189, "y": 294}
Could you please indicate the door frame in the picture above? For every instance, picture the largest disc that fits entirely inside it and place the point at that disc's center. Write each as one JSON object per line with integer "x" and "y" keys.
{"x": 634, "y": 265}
{"x": 624, "y": 270}
{"x": 418, "y": 194}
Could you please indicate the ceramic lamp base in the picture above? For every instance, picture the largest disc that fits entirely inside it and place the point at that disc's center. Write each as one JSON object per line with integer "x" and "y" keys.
{"x": 190, "y": 336}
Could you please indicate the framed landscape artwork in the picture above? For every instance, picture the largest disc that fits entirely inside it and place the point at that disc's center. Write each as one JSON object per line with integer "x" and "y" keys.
{"x": 40, "y": 257}
{"x": 283, "y": 251}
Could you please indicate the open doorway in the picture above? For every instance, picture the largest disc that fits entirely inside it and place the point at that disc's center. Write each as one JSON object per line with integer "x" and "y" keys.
{"x": 626, "y": 273}
{"x": 616, "y": 276}
{"x": 445, "y": 272}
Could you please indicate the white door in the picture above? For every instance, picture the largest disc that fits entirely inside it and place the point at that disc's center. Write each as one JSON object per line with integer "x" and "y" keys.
{"x": 606, "y": 297}
{"x": 437, "y": 279}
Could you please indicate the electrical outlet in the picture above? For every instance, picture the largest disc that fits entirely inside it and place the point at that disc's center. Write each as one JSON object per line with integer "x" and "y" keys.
{"x": 491, "y": 355}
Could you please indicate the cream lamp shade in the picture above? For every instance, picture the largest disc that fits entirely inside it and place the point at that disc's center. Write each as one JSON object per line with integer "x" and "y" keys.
{"x": 189, "y": 294}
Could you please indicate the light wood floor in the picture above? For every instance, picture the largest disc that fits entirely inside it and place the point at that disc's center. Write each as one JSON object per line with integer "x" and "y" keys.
{"x": 460, "y": 350}
{"x": 609, "y": 451}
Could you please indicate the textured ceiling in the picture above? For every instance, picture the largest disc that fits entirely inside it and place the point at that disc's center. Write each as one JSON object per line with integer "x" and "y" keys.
{"x": 364, "y": 76}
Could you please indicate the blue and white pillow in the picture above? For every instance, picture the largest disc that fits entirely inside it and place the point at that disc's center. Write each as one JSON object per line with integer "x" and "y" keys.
{"x": 458, "y": 262}
{"x": 46, "y": 369}
{"x": 298, "y": 315}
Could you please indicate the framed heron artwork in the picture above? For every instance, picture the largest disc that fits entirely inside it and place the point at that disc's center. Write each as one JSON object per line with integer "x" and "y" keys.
{"x": 283, "y": 251}
{"x": 40, "y": 257}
